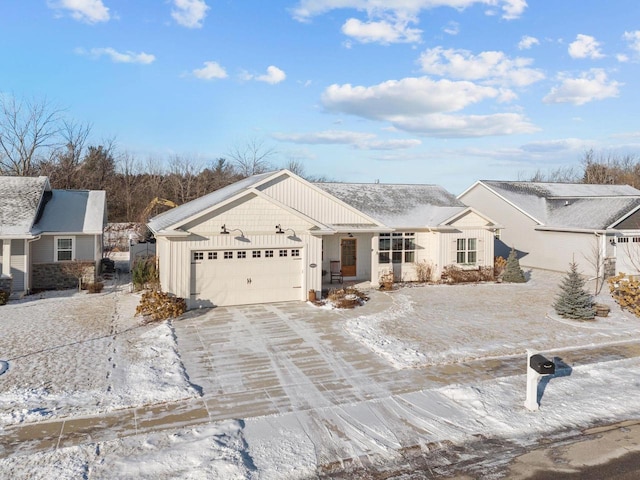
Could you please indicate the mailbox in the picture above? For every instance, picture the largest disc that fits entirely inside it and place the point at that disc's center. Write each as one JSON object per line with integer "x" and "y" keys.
{"x": 542, "y": 365}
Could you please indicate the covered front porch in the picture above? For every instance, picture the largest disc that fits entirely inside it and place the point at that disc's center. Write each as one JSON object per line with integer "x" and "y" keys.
{"x": 350, "y": 257}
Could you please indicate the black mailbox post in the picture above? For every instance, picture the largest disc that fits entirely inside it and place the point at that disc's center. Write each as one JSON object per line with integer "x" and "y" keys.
{"x": 542, "y": 365}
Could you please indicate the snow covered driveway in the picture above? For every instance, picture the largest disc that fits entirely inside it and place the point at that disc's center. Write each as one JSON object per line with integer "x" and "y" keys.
{"x": 275, "y": 358}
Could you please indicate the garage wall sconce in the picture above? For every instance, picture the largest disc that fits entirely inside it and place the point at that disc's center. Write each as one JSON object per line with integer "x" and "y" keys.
{"x": 225, "y": 231}
{"x": 281, "y": 231}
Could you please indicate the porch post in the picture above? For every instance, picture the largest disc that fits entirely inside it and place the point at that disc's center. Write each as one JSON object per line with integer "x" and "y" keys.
{"x": 6, "y": 257}
{"x": 375, "y": 274}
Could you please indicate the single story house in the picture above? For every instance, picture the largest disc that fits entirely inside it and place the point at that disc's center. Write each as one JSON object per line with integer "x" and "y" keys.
{"x": 553, "y": 224}
{"x": 41, "y": 229}
{"x": 273, "y": 237}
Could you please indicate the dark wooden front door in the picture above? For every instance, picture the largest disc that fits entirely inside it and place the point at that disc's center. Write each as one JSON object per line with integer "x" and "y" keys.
{"x": 348, "y": 257}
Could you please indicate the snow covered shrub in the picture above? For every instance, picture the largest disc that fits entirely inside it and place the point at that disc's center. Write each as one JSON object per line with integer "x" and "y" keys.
{"x": 95, "y": 287}
{"x": 455, "y": 274}
{"x": 574, "y": 301}
{"x": 348, "y": 297}
{"x": 4, "y": 297}
{"x": 512, "y": 271}
{"x": 386, "y": 280}
{"x": 626, "y": 292}
{"x": 424, "y": 271}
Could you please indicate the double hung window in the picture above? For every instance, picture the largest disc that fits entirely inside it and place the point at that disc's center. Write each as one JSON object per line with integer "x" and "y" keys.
{"x": 397, "y": 247}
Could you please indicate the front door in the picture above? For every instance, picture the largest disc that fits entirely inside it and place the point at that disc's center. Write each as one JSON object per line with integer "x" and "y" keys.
{"x": 348, "y": 257}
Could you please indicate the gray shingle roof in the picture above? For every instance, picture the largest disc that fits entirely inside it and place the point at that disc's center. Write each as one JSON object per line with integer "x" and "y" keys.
{"x": 19, "y": 201}
{"x": 570, "y": 205}
{"x": 73, "y": 211}
{"x": 398, "y": 206}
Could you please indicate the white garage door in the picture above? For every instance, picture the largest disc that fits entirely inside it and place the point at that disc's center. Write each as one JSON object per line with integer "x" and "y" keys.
{"x": 240, "y": 277}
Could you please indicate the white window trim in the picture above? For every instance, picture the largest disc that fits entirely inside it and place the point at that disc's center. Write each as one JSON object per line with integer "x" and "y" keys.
{"x": 55, "y": 247}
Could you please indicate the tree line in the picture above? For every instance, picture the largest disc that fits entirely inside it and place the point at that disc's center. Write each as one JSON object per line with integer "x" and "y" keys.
{"x": 37, "y": 139}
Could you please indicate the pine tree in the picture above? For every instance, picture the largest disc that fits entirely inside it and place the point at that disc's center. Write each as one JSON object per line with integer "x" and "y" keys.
{"x": 574, "y": 301}
{"x": 512, "y": 271}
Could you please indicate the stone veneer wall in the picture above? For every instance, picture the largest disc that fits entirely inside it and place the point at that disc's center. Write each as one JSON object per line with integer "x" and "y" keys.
{"x": 52, "y": 276}
{"x": 5, "y": 284}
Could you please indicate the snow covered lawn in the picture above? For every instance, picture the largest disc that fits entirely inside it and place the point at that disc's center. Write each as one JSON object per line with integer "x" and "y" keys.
{"x": 439, "y": 324}
{"x": 288, "y": 390}
{"x": 72, "y": 353}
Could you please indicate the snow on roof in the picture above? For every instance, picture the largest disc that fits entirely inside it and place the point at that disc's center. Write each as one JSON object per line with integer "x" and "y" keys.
{"x": 570, "y": 205}
{"x": 74, "y": 211}
{"x": 398, "y": 206}
{"x": 19, "y": 201}
{"x": 189, "y": 209}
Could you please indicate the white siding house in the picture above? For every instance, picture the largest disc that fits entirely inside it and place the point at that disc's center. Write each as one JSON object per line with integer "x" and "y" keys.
{"x": 272, "y": 237}
{"x": 553, "y": 224}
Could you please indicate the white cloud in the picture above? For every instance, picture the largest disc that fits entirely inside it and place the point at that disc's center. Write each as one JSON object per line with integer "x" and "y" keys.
{"x": 274, "y": 75}
{"x": 422, "y": 105}
{"x": 554, "y": 146}
{"x": 119, "y": 57}
{"x": 383, "y": 31}
{"x": 189, "y": 13}
{"x": 88, "y": 11}
{"x": 491, "y": 66}
{"x": 585, "y": 46}
{"x": 634, "y": 40}
{"x": 306, "y": 9}
{"x": 590, "y": 86}
{"x": 526, "y": 42}
{"x": 409, "y": 96}
{"x": 210, "y": 71}
{"x": 465, "y": 126}
{"x": 360, "y": 140}
{"x": 452, "y": 28}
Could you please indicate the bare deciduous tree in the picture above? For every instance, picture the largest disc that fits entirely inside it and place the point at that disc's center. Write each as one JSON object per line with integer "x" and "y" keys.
{"x": 27, "y": 129}
{"x": 251, "y": 157}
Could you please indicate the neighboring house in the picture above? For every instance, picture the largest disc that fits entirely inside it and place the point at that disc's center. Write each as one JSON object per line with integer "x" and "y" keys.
{"x": 42, "y": 228}
{"x": 271, "y": 237}
{"x": 553, "y": 224}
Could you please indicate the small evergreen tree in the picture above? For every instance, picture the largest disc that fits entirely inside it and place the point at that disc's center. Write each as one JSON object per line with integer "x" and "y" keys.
{"x": 574, "y": 301}
{"x": 512, "y": 271}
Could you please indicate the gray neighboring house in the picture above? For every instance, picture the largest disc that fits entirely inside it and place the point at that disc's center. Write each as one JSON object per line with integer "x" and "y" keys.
{"x": 553, "y": 224}
{"x": 42, "y": 228}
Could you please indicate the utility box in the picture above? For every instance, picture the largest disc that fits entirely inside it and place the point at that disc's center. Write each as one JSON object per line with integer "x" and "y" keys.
{"x": 542, "y": 365}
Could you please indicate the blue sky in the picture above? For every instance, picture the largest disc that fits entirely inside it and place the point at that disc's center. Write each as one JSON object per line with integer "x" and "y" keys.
{"x": 422, "y": 91}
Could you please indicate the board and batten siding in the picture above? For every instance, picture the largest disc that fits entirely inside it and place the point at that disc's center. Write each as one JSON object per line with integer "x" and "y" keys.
{"x": 176, "y": 254}
{"x": 484, "y": 246}
{"x": 313, "y": 202}
{"x": 256, "y": 218}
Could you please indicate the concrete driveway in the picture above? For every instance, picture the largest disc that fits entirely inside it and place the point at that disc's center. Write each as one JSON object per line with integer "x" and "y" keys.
{"x": 282, "y": 357}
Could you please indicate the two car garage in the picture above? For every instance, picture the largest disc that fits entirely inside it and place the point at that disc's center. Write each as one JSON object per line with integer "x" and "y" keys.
{"x": 246, "y": 276}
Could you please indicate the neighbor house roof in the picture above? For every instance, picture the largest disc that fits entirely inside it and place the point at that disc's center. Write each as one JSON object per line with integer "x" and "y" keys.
{"x": 73, "y": 211}
{"x": 398, "y": 206}
{"x": 19, "y": 202}
{"x": 186, "y": 211}
{"x": 569, "y": 205}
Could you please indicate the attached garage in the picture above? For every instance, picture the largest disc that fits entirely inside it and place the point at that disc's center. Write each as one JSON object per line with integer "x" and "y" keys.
{"x": 247, "y": 276}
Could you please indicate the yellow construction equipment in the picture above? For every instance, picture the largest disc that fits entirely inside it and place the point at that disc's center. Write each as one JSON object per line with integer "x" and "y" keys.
{"x": 144, "y": 217}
